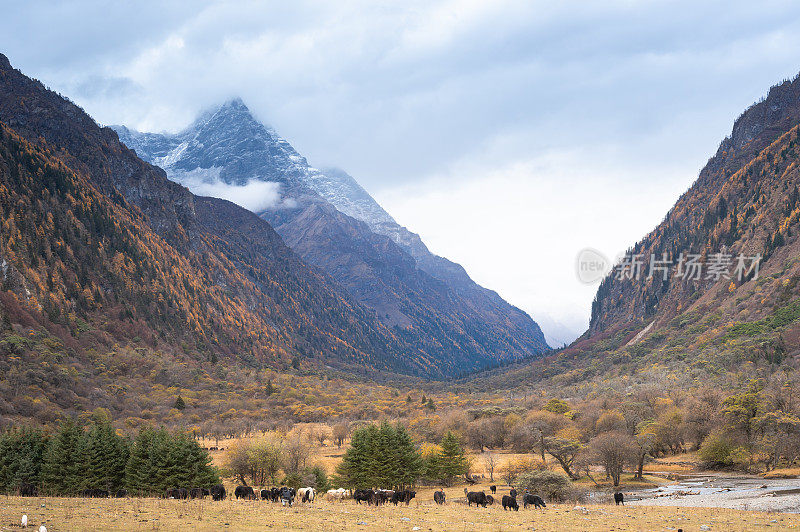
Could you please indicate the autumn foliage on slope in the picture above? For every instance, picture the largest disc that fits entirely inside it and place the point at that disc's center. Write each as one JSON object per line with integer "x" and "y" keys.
{"x": 745, "y": 201}
{"x": 133, "y": 250}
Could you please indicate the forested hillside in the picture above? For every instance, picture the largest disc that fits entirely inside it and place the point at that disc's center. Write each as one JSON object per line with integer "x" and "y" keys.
{"x": 448, "y": 322}
{"x": 719, "y": 328}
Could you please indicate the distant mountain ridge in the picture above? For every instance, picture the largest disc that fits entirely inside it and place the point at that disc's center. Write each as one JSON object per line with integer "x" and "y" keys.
{"x": 133, "y": 256}
{"x": 733, "y": 207}
{"x": 720, "y": 331}
{"x": 333, "y": 223}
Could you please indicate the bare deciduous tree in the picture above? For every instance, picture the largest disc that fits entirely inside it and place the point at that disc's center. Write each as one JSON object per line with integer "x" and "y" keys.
{"x": 340, "y": 433}
{"x": 490, "y": 463}
{"x": 295, "y": 454}
{"x": 613, "y": 450}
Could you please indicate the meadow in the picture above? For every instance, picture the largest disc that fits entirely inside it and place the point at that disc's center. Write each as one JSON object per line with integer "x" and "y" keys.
{"x": 62, "y": 514}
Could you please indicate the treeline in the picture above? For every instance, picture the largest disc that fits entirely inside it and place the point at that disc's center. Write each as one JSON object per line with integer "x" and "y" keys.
{"x": 277, "y": 459}
{"x": 385, "y": 456}
{"x": 76, "y": 460}
{"x": 754, "y": 430}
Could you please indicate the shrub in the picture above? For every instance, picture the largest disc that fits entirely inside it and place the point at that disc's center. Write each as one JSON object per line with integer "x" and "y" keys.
{"x": 716, "y": 450}
{"x": 293, "y": 480}
{"x": 549, "y": 484}
{"x": 557, "y": 406}
{"x": 524, "y": 464}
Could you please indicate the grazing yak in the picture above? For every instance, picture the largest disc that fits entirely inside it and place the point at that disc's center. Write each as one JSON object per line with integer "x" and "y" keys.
{"x": 489, "y": 500}
{"x": 287, "y": 496}
{"x": 307, "y": 494}
{"x": 177, "y": 493}
{"x": 199, "y": 493}
{"x": 266, "y": 495}
{"x": 28, "y": 490}
{"x": 244, "y": 492}
{"x": 619, "y": 498}
{"x": 218, "y": 492}
{"x": 274, "y": 494}
{"x": 121, "y": 493}
{"x": 382, "y": 497}
{"x": 337, "y": 494}
{"x": 535, "y": 500}
{"x": 403, "y": 496}
{"x": 438, "y": 497}
{"x": 363, "y": 496}
{"x": 493, "y": 489}
{"x": 478, "y": 497}
{"x": 510, "y": 502}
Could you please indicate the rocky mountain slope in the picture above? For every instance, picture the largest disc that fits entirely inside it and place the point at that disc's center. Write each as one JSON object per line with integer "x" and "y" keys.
{"x": 332, "y": 223}
{"x": 720, "y": 324}
{"x": 742, "y": 203}
{"x": 95, "y": 239}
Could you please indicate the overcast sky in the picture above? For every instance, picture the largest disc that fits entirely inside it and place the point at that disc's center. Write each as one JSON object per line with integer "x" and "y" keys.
{"x": 510, "y": 135}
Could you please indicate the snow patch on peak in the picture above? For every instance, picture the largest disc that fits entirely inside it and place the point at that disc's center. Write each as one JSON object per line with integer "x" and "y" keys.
{"x": 340, "y": 189}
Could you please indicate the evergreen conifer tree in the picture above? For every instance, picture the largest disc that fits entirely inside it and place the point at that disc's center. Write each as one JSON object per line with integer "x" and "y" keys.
{"x": 409, "y": 460}
{"x": 21, "y": 454}
{"x": 382, "y": 457}
{"x": 65, "y": 460}
{"x": 137, "y": 472}
{"x": 107, "y": 455}
{"x": 453, "y": 461}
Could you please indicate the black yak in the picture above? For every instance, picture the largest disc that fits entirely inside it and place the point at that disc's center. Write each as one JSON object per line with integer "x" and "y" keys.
{"x": 510, "y": 502}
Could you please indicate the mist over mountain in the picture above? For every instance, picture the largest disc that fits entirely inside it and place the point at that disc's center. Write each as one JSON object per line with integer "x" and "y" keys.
{"x": 334, "y": 224}
{"x": 721, "y": 303}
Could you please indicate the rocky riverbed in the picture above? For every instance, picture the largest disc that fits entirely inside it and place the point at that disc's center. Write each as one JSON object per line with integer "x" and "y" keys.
{"x": 723, "y": 491}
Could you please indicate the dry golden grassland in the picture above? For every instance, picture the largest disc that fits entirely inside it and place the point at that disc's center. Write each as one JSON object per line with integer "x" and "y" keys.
{"x": 60, "y": 514}
{"x": 76, "y": 514}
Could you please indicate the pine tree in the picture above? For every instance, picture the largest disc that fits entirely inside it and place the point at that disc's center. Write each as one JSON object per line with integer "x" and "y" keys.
{"x": 383, "y": 465}
{"x": 453, "y": 461}
{"x": 354, "y": 470}
{"x": 137, "y": 470}
{"x": 107, "y": 455}
{"x": 380, "y": 457}
{"x": 410, "y": 464}
{"x": 180, "y": 404}
{"x": 65, "y": 460}
{"x": 159, "y": 461}
{"x": 21, "y": 454}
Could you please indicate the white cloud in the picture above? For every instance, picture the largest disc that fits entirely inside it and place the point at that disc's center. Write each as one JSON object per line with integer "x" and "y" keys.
{"x": 256, "y": 196}
{"x": 518, "y": 228}
{"x": 498, "y": 130}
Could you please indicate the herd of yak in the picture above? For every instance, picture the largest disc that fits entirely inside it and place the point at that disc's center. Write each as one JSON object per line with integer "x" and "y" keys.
{"x": 286, "y": 496}
{"x": 479, "y": 498}
{"x": 509, "y": 501}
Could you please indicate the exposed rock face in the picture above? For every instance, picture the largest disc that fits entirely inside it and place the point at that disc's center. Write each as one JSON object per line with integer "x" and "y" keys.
{"x": 333, "y": 223}
{"x": 741, "y": 200}
{"x": 208, "y": 270}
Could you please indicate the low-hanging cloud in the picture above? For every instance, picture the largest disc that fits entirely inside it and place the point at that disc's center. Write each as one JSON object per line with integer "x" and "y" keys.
{"x": 420, "y": 101}
{"x": 256, "y": 196}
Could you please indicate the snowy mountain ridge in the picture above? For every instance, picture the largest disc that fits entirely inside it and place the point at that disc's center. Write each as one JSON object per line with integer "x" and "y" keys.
{"x": 328, "y": 219}
{"x": 211, "y": 149}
